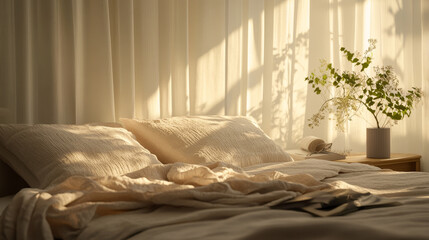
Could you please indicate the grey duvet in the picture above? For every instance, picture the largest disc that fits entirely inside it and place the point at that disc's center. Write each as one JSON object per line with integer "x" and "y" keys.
{"x": 218, "y": 201}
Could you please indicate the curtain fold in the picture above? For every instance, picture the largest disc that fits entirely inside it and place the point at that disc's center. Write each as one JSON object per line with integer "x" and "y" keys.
{"x": 77, "y": 61}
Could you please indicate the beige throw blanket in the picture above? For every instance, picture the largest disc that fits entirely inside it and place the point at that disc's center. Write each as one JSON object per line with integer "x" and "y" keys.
{"x": 65, "y": 209}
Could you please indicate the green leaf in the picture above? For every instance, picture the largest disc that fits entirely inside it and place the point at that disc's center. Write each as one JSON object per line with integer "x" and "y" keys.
{"x": 364, "y": 66}
{"x": 396, "y": 116}
{"x": 317, "y": 90}
{"x": 369, "y": 81}
{"x": 350, "y": 56}
{"x": 338, "y": 78}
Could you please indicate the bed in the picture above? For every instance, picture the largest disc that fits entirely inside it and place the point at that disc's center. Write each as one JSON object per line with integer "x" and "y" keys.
{"x": 203, "y": 177}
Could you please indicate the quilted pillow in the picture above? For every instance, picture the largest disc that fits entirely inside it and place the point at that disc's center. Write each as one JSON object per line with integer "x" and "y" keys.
{"x": 46, "y": 154}
{"x": 205, "y": 139}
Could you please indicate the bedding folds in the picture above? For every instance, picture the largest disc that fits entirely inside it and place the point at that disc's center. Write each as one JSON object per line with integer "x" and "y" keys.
{"x": 5, "y": 201}
{"x": 218, "y": 201}
{"x": 68, "y": 207}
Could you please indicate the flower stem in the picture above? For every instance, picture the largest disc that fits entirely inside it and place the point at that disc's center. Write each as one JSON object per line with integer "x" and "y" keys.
{"x": 373, "y": 113}
{"x": 362, "y": 102}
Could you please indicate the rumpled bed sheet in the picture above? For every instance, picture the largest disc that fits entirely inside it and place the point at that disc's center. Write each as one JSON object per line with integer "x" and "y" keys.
{"x": 183, "y": 201}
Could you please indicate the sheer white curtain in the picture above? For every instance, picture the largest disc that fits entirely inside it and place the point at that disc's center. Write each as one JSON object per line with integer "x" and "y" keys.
{"x": 79, "y": 61}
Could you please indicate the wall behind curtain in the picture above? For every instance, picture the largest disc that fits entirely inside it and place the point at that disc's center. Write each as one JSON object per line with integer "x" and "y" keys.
{"x": 77, "y": 61}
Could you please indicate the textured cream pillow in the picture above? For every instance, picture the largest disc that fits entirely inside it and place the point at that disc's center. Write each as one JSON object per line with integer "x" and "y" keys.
{"x": 204, "y": 139}
{"x": 46, "y": 154}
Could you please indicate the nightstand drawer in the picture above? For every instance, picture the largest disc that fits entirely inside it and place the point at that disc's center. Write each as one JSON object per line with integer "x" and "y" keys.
{"x": 397, "y": 161}
{"x": 405, "y": 166}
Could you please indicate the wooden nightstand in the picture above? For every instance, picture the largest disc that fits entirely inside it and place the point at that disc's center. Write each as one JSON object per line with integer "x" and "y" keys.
{"x": 397, "y": 161}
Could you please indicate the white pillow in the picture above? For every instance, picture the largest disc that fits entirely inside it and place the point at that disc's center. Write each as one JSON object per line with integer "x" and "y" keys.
{"x": 205, "y": 139}
{"x": 47, "y": 154}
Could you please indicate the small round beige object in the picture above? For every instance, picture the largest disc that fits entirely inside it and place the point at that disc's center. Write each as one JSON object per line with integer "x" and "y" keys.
{"x": 312, "y": 144}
